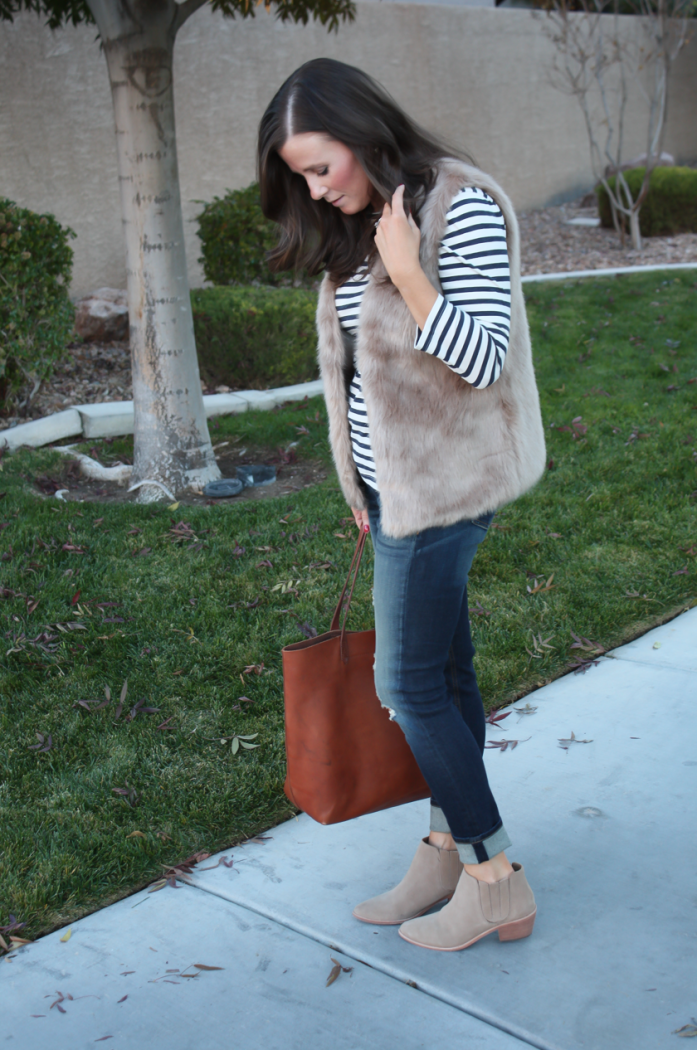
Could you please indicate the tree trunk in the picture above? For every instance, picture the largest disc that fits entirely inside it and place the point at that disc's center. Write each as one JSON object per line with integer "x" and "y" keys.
{"x": 634, "y": 229}
{"x": 171, "y": 441}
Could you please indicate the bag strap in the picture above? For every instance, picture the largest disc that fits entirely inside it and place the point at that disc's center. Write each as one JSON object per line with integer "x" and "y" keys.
{"x": 350, "y": 579}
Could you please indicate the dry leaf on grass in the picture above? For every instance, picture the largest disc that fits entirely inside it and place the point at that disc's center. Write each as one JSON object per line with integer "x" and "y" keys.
{"x": 43, "y": 745}
{"x": 540, "y": 584}
{"x": 586, "y": 644}
{"x": 128, "y": 793}
{"x": 539, "y": 643}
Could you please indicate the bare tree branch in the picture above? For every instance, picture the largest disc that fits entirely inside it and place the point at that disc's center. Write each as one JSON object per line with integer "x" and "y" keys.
{"x": 603, "y": 65}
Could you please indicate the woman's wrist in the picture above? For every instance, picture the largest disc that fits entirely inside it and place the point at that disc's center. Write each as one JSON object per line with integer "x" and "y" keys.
{"x": 418, "y": 293}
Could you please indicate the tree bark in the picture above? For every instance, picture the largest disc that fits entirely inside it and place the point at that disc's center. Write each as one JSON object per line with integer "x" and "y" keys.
{"x": 634, "y": 229}
{"x": 171, "y": 441}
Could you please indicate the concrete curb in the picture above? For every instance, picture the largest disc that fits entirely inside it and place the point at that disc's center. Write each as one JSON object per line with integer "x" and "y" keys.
{"x": 612, "y": 272}
{"x": 115, "y": 418}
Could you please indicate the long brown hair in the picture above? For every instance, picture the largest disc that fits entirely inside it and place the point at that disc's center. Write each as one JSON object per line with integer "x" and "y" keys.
{"x": 346, "y": 104}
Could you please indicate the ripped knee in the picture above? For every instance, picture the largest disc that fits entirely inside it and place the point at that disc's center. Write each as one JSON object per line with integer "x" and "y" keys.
{"x": 391, "y": 710}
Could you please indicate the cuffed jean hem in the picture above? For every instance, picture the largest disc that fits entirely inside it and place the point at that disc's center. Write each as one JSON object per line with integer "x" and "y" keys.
{"x": 472, "y": 853}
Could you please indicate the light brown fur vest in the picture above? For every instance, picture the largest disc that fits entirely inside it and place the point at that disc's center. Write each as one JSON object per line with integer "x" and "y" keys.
{"x": 443, "y": 450}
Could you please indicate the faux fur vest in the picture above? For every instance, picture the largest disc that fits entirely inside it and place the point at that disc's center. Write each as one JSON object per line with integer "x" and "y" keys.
{"x": 443, "y": 450}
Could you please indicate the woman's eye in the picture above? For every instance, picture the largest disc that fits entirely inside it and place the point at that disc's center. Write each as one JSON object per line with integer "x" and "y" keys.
{"x": 322, "y": 171}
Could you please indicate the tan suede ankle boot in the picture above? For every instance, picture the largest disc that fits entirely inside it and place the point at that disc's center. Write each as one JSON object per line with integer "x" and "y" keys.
{"x": 477, "y": 909}
{"x": 432, "y": 877}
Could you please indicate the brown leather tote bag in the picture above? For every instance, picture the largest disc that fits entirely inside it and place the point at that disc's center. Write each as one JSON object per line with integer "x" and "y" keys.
{"x": 345, "y": 756}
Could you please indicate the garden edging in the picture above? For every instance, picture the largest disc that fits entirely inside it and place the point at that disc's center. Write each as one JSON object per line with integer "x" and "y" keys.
{"x": 115, "y": 418}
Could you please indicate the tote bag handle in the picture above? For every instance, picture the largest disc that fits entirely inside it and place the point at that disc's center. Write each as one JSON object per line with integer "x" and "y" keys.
{"x": 351, "y": 578}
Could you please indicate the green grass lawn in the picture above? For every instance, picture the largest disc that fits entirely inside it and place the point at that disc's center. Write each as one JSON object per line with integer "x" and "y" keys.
{"x": 196, "y": 623}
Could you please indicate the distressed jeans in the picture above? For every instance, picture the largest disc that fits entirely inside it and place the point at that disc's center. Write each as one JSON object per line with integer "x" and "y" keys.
{"x": 424, "y": 673}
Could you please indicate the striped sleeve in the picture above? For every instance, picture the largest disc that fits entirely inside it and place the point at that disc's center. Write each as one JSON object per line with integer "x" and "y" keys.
{"x": 469, "y": 324}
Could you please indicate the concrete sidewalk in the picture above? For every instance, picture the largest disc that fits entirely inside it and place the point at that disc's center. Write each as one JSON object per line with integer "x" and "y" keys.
{"x": 605, "y": 829}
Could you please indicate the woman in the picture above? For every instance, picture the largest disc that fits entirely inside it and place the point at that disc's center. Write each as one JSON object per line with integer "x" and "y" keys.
{"x": 434, "y": 423}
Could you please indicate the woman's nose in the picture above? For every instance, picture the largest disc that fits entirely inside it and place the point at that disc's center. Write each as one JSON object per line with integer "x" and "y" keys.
{"x": 317, "y": 190}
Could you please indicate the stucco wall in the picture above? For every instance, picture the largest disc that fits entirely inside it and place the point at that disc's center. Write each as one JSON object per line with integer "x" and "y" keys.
{"x": 477, "y": 75}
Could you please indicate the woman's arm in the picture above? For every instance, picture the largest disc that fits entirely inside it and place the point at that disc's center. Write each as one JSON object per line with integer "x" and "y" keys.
{"x": 468, "y": 327}
{"x": 397, "y": 239}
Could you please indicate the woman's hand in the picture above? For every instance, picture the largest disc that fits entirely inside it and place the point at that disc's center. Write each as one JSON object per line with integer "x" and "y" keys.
{"x": 397, "y": 239}
{"x": 361, "y": 518}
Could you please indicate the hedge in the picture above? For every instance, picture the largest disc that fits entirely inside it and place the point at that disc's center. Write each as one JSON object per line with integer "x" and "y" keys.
{"x": 255, "y": 338}
{"x": 36, "y": 315}
{"x": 235, "y": 237}
{"x": 670, "y": 206}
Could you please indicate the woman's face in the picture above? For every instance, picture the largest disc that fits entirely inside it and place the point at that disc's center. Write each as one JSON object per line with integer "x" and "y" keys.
{"x": 331, "y": 170}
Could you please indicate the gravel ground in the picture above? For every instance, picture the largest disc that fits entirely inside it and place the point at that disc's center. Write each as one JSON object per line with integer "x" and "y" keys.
{"x": 91, "y": 373}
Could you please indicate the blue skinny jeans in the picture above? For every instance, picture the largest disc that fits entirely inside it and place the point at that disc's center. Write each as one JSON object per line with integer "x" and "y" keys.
{"x": 424, "y": 673}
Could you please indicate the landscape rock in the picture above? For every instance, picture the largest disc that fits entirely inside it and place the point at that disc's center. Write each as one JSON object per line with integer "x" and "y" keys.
{"x": 102, "y": 316}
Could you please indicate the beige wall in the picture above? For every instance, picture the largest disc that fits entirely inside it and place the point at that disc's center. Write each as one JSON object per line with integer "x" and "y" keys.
{"x": 477, "y": 75}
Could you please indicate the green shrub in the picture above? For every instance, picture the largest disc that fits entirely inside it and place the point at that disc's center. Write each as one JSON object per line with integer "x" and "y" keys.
{"x": 36, "y": 315}
{"x": 670, "y": 205}
{"x": 235, "y": 237}
{"x": 255, "y": 338}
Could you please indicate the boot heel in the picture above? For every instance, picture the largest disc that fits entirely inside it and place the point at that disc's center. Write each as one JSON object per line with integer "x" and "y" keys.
{"x": 514, "y": 931}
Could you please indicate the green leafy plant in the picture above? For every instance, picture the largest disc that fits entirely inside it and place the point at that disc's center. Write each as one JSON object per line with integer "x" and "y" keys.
{"x": 670, "y": 205}
{"x": 235, "y": 237}
{"x": 36, "y": 315}
{"x": 255, "y": 338}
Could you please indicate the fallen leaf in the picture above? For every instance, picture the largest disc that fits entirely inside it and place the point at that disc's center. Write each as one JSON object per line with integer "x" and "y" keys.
{"x": 253, "y": 669}
{"x": 566, "y": 742}
{"x": 586, "y": 644}
{"x": 688, "y": 1031}
{"x": 656, "y": 645}
{"x": 202, "y": 966}
{"x": 502, "y": 745}
{"x": 222, "y": 860}
{"x": 493, "y": 718}
{"x": 336, "y": 968}
{"x": 541, "y": 585}
{"x": 136, "y": 835}
{"x": 123, "y": 998}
